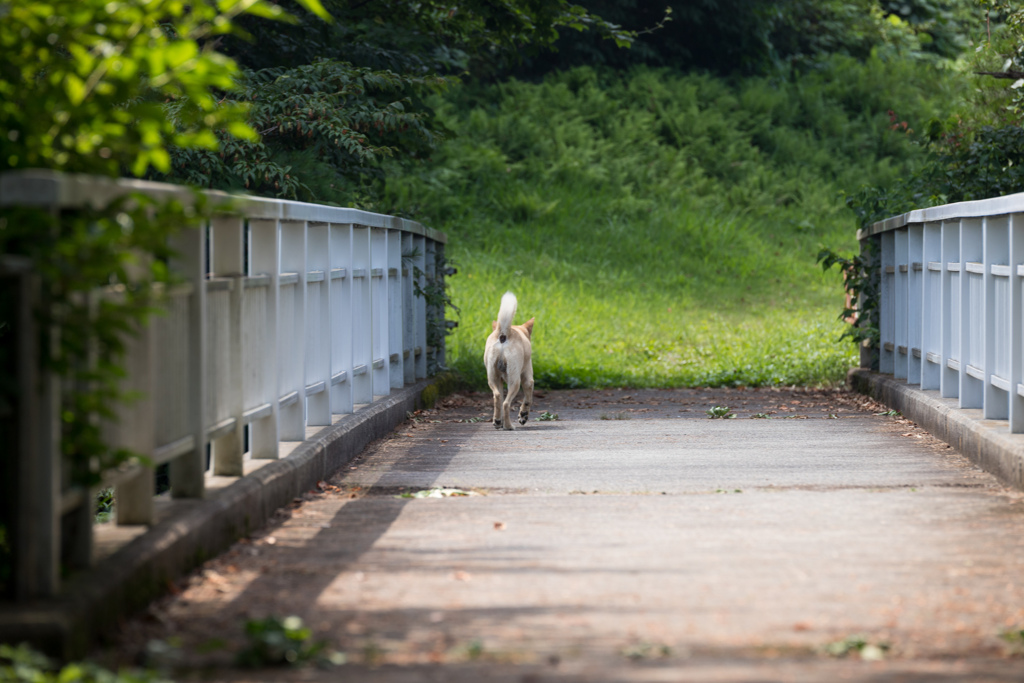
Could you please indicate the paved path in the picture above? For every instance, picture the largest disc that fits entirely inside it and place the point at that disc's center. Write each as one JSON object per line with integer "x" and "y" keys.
{"x": 633, "y": 539}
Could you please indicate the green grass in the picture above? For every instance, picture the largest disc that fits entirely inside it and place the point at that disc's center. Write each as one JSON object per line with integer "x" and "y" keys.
{"x": 662, "y": 228}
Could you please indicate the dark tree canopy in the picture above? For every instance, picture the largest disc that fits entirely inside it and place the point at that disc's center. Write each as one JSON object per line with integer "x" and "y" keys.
{"x": 756, "y": 36}
{"x": 332, "y": 100}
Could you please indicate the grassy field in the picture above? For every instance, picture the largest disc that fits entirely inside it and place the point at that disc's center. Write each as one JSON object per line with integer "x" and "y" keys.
{"x": 662, "y": 228}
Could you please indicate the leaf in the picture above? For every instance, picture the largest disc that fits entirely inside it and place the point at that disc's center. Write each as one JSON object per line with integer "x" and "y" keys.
{"x": 316, "y": 8}
{"x": 243, "y": 131}
{"x": 179, "y": 52}
{"x": 75, "y": 88}
{"x": 261, "y": 9}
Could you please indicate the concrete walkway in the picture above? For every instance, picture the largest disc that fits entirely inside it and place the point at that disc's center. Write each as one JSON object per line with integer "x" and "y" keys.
{"x": 631, "y": 539}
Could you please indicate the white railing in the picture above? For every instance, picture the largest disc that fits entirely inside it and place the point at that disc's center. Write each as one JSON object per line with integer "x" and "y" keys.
{"x": 951, "y": 316}
{"x": 289, "y": 315}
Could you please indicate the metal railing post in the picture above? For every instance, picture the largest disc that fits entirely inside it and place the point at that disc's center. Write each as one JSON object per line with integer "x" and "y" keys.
{"x": 265, "y": 236}
{"x": 379, "y": 316}
{"x": 996, "y": 282}
{"x": 949, "y": 379}
{"x": 291, "y": 334}
{"x": 915, "y": 296}
{"x": 318, "y": 329}
{"x": 137, "y": 427}
{"x": 931, "y": 306}
{"x": 972, "y": 361}
{"x": 1015, "y": 259}
{"x": 188, "y": 471}
{"x": 395, "y": 308}
{"x": 362, "y": 317}
{"x": 341, "y": 318}
{"x": 227, "y": 261}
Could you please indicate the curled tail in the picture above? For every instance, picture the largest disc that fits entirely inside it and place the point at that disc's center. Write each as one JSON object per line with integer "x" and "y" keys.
{"x": 505, "y": 315}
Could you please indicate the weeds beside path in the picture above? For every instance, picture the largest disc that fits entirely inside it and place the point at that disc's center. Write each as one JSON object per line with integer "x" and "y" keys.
{"x": 632, "y": 538}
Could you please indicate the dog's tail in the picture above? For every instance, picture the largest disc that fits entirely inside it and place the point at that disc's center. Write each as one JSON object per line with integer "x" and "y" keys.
{"x": 505, "y": 315}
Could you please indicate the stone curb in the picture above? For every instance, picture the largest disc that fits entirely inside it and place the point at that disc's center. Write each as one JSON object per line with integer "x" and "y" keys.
{"x": 125, "y": 582}
{"x": 987, "y": 443}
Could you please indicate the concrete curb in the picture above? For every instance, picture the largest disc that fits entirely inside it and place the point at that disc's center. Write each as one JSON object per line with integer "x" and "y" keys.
{"x": 126, "y": 581}
{"x": 987, "y": 443}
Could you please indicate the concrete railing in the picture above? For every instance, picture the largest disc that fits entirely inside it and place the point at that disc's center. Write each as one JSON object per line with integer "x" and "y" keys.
{"x": 951, "y": 316}
{"x": 288, "y": 315}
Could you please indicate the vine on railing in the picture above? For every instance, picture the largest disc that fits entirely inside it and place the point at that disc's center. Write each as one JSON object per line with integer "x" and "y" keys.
{"x": 435, "y": 292}
{"x": 861, "y": 278}
{"x": 122, "y": 247}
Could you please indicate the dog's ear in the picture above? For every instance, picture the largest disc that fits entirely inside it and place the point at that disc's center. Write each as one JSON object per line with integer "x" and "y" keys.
{"x": 528, "y": 326}
{"x": 494, "y": 325}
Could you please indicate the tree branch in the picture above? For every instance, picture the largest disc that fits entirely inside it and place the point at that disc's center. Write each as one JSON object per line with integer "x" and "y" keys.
{"x": 1014, "y": 75}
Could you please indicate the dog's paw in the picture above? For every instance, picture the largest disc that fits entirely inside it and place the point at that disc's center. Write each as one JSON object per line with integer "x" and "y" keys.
{"x": 524, "y": 418}
{"x": 497, "y": 424}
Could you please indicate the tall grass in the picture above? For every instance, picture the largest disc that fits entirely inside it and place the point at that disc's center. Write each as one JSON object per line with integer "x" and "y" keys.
{"x": 661, "y": 227}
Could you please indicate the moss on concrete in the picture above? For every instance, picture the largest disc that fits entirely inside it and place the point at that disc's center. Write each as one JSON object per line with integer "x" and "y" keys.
{"x": 441, "y": 385}
{"x": 429, "y": 396}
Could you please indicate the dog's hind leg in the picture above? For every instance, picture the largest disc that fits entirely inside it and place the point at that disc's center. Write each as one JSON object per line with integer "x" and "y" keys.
{"x": 506, "y": 406}
{"x": 497, "y": 386}
{"x": 524, "y": 410}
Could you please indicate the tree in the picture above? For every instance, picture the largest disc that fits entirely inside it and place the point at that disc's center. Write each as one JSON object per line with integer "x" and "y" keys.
{"x": 759, "y": 36}
{"x": 81, "y": 82}
{"x": 332, "y": 101}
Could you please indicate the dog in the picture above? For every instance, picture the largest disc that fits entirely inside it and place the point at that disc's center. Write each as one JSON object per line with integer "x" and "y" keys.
{"x": 507, "y": 357}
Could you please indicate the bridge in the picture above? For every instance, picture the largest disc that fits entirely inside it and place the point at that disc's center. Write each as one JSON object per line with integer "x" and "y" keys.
{"x": 811, "y": 536}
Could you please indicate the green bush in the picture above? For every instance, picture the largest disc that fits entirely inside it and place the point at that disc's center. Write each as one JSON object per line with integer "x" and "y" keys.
{"x": 22, "y": 664}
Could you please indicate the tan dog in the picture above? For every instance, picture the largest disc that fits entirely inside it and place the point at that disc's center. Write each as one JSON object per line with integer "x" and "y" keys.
{"x": 507, "y": 359}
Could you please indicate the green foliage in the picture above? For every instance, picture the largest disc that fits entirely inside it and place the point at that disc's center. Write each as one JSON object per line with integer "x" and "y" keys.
{"x": 760, "y": 36}
{"x": 804, "y": 31}
{"x": 104, "y": 506}
{"x": 858, "y": 645}
{"x": 975, "y": 147}
{"x": 963, "y": 165}
{"x": 413, "y": 37}
{"x": 323, "y": 128}
{"x": 1014, "y": 639}
{"x": 646, "y": 651}
{"x": 82, "y": 81}
{"x": 991, "y": 164}
{"x": 720, "y": 413}
{"x": 331, "y": 101}
{"x": 861, "y": 276}
{"x": 22, "y": 664}
{"x": 280, "y": 642}
{"x": 663, "y": 228}
{"x": 1002, "y": 55}
{"x": 436, "y": 293}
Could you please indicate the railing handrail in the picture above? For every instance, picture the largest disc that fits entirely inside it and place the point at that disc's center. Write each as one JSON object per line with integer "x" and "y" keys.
{"x": 951, "y": 302}
{"x": 40, "y": 187}
{"x": 978, "y": 208}
{"x": 288, "y": 314}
